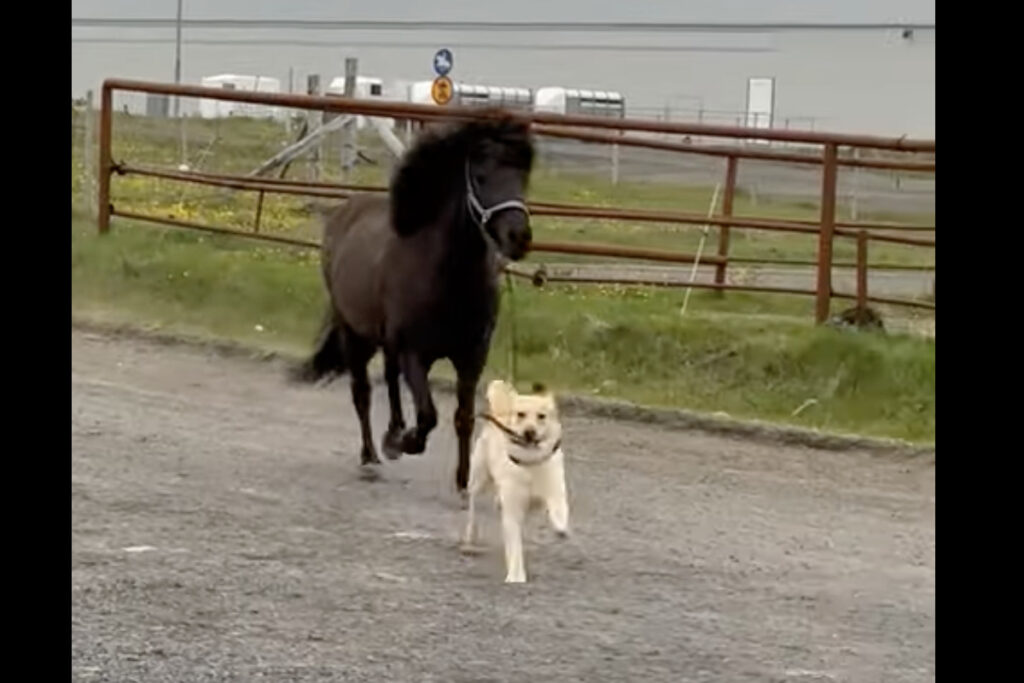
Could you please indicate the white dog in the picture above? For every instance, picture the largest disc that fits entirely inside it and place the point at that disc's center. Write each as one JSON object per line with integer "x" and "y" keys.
{"x": 519, "y": 452}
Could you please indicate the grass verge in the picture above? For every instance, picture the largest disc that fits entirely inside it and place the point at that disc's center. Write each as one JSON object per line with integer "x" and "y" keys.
{"x": 750, "y": 357}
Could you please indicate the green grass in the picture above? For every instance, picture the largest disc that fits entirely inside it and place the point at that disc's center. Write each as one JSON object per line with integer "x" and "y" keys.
{"x": 749, "y": 356}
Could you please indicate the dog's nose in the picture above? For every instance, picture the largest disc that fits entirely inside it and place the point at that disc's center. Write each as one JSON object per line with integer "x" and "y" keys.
{"x": 530, "y": 434}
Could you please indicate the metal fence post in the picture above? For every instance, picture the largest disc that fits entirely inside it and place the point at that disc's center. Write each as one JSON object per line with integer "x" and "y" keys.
{"x": 723, "y": 231}
{"x": 615, "y": 163}
{"x": 89, "y": 165}
{"x": 315, "y": 119}
{"x": 106, "y": 168}
{"x": 349, "y": 153}
{"x": 826, "y": 233}
{"x": 862, "y": 270}
{"x": 259, "y": 212}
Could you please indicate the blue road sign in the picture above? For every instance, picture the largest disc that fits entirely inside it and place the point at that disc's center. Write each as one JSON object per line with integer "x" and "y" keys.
{"x": 443, "y": 61}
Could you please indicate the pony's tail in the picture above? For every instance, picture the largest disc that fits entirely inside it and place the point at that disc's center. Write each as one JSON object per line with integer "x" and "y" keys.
{"x": 329, "y": 358}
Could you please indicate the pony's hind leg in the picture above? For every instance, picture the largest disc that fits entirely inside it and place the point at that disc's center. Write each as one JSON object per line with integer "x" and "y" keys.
{"x": 392, "y": 443}
{"x": 414, "y": 369}
{"x": 358, "y": 353}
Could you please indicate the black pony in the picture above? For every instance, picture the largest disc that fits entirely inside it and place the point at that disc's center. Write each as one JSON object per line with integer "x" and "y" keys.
{"x": 416, "y": 273}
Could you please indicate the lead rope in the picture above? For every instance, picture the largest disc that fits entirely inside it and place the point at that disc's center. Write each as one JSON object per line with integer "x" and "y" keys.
{"x": 513, "y": 350}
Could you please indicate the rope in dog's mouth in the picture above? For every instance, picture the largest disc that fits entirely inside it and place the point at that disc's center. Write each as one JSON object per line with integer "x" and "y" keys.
{"x": 518, "y": 440}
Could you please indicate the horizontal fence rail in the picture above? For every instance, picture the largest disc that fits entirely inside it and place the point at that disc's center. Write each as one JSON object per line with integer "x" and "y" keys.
{"x": 427, "y": 112}
{"x": 724, "y": 151}
{"x": 345, "y": 190}
{"x": 586, "y": 129}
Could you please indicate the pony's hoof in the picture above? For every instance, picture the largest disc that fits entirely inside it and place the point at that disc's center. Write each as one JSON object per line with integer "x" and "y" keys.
{"x": 369, "y": 462}
{"x": 471, "y": 549}
{"x": 368, "y": 456}
{"x": 392, "y": 445}
{"x": 370, "y": 471}
{"x": 412, "y": 444}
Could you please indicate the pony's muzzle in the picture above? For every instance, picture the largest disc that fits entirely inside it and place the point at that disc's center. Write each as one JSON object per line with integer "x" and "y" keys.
{"x": 518, "y": 235}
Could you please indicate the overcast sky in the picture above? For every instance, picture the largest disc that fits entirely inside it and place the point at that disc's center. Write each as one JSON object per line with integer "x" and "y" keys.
{"x": 711, "y": 11}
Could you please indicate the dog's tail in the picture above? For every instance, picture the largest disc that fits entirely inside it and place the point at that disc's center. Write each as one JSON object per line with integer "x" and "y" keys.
{"x": 329, "y": 358}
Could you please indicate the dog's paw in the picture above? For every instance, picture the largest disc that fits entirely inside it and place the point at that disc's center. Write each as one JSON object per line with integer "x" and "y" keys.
{"x": 515, "y": 579}
{"x": 471, "y": 549}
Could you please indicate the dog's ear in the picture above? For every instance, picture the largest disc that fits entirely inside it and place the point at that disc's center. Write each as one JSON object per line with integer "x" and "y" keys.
{"x": 541, "y": 390}
{"x": 500, "y": 397}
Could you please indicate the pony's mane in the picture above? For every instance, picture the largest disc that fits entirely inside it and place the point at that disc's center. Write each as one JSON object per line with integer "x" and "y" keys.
{"x": 424, "y": 180}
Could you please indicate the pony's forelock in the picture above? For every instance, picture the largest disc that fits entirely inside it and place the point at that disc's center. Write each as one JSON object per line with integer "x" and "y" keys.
{"x": 422, "y": 183}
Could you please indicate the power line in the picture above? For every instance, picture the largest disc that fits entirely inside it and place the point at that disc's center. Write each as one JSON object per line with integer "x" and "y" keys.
{"x": 417, "y": 45}
{"x": 565, "y": 26}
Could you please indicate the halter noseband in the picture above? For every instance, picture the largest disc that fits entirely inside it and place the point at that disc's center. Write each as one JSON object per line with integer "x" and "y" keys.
{"x": 481, "y": 214}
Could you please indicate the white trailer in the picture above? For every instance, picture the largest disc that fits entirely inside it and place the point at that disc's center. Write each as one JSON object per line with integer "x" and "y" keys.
{"x": 558, "y": 100}
{"x": 367, "y": 88}
{"x": 212, "y": 109}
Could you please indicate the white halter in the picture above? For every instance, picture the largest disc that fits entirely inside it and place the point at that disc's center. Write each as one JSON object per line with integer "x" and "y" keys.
{"x": 481, "y": 214}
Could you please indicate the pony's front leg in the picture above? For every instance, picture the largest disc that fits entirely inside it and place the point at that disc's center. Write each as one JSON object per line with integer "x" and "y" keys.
{"x": 392, "y": 443}
{"x": 468, "y": 377}
{"x": 415, "y": 371}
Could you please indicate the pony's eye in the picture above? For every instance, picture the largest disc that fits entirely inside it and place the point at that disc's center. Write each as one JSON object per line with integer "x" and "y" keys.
{"x": 521, "y": 416}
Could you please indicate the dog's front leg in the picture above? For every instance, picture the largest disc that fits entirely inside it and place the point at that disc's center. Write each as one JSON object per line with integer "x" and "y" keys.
{"x": 557, "y": 500}
{"x": 513, "y": 512}
{"x": 558, "y": 513}
{"x": 469, "y": 536}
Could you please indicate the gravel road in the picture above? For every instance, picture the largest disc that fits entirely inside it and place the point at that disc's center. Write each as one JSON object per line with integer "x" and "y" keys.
{"x": 221, "y": 533}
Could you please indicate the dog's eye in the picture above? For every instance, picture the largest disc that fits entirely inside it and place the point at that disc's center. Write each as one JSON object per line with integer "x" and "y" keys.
{"x": 521, "y": 416}
{"x": 542, "y": 416}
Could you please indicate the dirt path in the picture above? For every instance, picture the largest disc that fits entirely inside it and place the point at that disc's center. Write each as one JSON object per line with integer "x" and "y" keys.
{"x": 221, "y": 533}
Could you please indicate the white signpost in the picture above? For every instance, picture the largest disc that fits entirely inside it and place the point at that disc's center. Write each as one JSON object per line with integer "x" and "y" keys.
{"x": 760, "y": 102}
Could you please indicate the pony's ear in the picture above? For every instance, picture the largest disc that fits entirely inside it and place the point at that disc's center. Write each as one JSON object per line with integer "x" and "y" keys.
{"x": 420, "y": 188}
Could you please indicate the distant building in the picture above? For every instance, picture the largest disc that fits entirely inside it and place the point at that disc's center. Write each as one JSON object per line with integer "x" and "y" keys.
{"x": 158, "y": 106}
{"x": 213, "y": 109}
{"x": 575, "y": 101}
{"x": 367, "y": 88}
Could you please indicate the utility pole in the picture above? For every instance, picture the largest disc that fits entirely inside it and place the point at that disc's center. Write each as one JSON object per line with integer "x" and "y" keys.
{"x": 177, "y": 59}
{"x": 177, "y": 81}
{"x": 348, "y": 137}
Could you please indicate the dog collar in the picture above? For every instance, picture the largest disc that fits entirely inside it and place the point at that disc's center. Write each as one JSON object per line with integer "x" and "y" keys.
{"x": 519, "y": 441}
{"x": 532, "y": 463}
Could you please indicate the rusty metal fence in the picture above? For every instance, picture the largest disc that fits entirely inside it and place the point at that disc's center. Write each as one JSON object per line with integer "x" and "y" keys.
{"x": 832, "y": 152}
